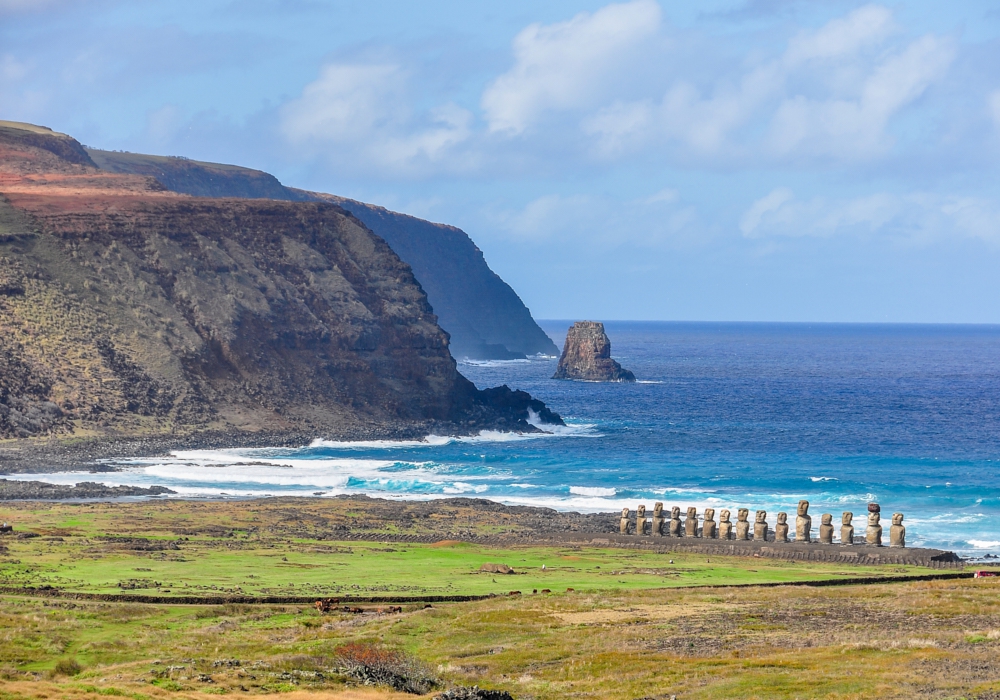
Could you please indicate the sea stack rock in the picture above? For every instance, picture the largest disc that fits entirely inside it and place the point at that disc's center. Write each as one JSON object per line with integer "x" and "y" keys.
{"x": 587, "y": 356}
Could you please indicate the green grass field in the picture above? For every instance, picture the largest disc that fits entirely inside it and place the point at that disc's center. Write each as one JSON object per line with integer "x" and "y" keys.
{"x": 137, "y": 548}
{"x": 370, "y": 568}
{"x": 909, "y": 640}
{"x": 627, "y": 631}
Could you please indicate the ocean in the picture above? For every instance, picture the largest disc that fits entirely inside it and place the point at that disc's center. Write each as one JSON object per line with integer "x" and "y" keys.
{"x": 725, "y": 415}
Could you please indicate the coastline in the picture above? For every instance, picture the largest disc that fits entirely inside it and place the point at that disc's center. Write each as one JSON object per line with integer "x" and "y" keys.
{"x": 64, "y": 454}
{"x": 359, "y": 518}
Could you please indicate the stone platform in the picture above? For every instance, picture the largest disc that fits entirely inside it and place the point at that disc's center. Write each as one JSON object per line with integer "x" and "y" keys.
{"x": 812, "y": 551}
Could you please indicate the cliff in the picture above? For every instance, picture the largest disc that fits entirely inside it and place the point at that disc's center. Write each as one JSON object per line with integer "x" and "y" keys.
{"x": 128, "y": 309}
{"x": 587, "y": 356}
{"x": 197, "y": 178}
{"x": 483, "y": 316}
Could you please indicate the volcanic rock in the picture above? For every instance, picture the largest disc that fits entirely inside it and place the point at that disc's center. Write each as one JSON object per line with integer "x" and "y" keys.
{"x": 491, "y": 568}
{"x": 587, "y": 356}
{"x": 129, "y": 310}
{"x": 39, "y": 490}
{"x": 483, "y": 315}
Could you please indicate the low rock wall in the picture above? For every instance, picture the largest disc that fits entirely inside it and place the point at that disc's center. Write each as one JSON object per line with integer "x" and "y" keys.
{"x": 813, "y": 551}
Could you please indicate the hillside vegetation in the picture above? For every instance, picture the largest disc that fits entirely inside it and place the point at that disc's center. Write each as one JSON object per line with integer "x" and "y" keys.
{"x": 625, "y": 631}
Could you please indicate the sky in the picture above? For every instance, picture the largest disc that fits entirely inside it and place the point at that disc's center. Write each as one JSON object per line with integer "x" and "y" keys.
{"x": 720, "y": 160}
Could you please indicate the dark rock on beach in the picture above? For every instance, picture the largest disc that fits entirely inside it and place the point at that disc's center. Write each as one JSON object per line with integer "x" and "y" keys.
{"x": 587, "y": 356}
{"x": 37, "y": 490}
{"x": 516, "y": 405}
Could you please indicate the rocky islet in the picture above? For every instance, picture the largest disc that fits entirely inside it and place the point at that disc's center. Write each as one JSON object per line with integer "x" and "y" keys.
{"x": 586, "y": 356}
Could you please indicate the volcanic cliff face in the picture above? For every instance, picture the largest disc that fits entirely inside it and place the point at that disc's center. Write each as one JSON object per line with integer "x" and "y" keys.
{"x": 587, "y": 356}
{"x": 129, "y": 309}
{"x": 483, "y": 315}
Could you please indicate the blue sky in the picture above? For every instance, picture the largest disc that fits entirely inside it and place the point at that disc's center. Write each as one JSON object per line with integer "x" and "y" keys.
{"x": 765, "y": 160}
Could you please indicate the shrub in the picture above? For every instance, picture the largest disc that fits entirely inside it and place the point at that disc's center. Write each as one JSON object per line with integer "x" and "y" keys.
{"x": 376, "y": 664}
{"x": 66, "y": 667}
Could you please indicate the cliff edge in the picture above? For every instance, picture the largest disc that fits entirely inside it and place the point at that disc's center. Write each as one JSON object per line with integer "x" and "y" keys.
{"x": 586, "y": 356}
{"x": 127, "y": 309}
{"x": 483, "y": 316}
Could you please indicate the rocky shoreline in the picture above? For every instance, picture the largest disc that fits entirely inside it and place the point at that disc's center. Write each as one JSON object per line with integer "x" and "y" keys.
{"x": 41, "y": 491}
{"x": 49, "y": 455}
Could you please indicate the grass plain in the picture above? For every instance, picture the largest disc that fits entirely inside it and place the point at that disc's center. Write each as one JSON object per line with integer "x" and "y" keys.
{"x": 274, "y": 548}
{"x": 627, "y": 631}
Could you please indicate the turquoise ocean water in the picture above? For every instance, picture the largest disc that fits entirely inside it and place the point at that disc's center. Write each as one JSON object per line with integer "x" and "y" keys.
{"x": 724, "y": 415}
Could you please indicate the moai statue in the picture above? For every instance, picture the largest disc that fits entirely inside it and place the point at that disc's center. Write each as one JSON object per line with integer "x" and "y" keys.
{"x": 675, "y": 522}
{"x": 691, "y": 523}
{"x": 781, "y": 529}
{"x": 760, "y": 526}
{"x": 725, "y": 527}
{"x": 640, "y": 521}
{"x": 874, "y": 534}
{"x": 658, "y": 519}
{"x": 826, "y": 529}
{"x": 803, "y": 523}
{"x": 846, "y": 529}
{"x": 742, "y": 526}
{"x": 897, "y": 533}
{"x": 623, "y": 523}
{"x": 708, "y": 528}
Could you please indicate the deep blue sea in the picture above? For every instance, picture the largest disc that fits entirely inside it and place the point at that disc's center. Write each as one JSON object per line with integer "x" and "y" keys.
{"x": 725, "y": 414}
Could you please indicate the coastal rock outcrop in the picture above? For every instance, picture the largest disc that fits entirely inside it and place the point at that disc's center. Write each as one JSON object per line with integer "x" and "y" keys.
{"x": 587, "y": 356}
{"x": 130, "y": 310}
{"x": 484, "y": 317}
{"x": 40, "y": 490}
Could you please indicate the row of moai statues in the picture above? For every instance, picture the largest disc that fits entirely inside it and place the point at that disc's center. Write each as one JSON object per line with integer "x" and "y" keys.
{"x": 661, "y": 526}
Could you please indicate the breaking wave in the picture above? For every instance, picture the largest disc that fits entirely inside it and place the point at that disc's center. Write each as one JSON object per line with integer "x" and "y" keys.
{"x": 591, "y": 491}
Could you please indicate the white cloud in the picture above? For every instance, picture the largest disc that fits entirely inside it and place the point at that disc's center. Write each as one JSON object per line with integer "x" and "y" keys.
{"x": 830, "y": 94}
{"x": 603, "y": 222}
{"x": 11, "y": 69}
{"x": 12, "y": 6}
{"x": 841, "y": 37}
{"x": 365, "y": 110}
{"x": 548, "y": 216}
{"x": 667, "y": 195}
{"x": 994, "y": 106}
{"x": 163, "y": 124}
{"x": 566, "y": 65}
{"x": 615, "y": 84}
{"x": 345, "y": 102}
{"x": 914, "y": 216}
{"x": 768, "y": 204}
{"x": 620, "y": 127}
{"x": 976, "y": 217}
{"x": 856, "y": 128}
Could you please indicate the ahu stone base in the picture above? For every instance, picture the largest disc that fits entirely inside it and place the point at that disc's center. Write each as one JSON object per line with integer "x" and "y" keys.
{"x": 802, "y": 551}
